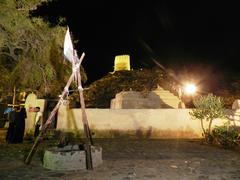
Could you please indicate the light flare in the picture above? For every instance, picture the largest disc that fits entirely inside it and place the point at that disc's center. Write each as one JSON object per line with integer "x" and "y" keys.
{"x": 190, "y": 89}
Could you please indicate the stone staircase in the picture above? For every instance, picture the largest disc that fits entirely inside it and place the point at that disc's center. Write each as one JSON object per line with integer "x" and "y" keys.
{"x": 166, "y": 98}
{"x": 156, "y": 99}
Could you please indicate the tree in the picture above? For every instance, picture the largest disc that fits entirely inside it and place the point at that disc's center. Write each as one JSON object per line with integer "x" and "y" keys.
{"x": 207, "y": 109}
{"x": 30, "y": 50}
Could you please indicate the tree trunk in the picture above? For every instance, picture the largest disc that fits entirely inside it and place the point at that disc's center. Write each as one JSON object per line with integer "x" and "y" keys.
{"x": 204, "y": 132}
{"x": 209, "y": 126}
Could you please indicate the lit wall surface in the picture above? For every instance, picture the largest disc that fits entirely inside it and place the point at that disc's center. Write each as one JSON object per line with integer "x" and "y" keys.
{"x": 154, "y": 123}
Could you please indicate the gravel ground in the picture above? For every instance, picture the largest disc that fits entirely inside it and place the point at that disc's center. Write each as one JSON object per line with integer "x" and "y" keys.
{"x": 131, "y": 159}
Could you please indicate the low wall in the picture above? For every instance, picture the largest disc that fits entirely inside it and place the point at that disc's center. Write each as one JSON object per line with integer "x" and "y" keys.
{"x": 149, "y": 123}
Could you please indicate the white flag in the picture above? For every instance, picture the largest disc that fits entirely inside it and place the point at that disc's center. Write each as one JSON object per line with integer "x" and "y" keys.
{"x": 68, "y": 47}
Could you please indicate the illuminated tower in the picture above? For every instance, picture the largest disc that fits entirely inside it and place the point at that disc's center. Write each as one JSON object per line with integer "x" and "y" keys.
{"x": 121, "y": 63}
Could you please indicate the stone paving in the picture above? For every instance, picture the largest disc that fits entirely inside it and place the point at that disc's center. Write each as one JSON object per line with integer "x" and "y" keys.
{"x": 131, "y": 159}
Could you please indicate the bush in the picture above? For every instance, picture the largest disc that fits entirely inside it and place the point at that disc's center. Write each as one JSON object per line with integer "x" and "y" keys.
{"x": 207, "y": 109}
{"x": 226, "y": 136}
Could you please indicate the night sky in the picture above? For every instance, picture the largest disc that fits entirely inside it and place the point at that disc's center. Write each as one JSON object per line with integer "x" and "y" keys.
{"x": 197, "y": 37}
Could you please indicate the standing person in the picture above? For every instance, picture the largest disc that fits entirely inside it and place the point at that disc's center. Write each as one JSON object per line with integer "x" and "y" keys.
{"x": 38, "y": 121}
{"x": 11, "y": 128}
{"x": 20, "y": 125}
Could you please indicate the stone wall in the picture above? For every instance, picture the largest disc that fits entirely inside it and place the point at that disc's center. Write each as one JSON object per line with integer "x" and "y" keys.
{"x": 150, "y": 123}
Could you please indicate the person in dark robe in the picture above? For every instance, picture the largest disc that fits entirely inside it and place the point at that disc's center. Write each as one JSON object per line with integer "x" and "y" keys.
{"x": 20, "y": 125}
{"x": 11, "y": 128}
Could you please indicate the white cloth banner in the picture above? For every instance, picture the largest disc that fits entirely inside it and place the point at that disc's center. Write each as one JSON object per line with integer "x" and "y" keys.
{"x": 68, "y": 47}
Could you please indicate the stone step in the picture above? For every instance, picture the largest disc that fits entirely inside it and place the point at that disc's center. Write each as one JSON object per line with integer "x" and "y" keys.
{"x": 165, "y": 93}
{"x": 167, "y": 96}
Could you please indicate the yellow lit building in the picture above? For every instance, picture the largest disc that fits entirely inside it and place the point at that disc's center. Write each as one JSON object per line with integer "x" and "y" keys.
{"x": 121, "y": 63}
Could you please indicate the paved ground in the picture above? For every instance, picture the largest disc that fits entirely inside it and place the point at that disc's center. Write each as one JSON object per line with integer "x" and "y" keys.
{"x": 131, "y": 159}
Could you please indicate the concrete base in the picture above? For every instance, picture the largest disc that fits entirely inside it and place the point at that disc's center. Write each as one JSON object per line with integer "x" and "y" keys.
{"x": 70, "y": 158}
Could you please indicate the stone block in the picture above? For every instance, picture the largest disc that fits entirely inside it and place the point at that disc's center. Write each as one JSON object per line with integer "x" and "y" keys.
{"x": 70, "y": 158}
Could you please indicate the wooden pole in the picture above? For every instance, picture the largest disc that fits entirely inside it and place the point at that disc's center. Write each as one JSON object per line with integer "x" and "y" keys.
{"x": 49, "y": 120}
{"x": 88, "y": 137}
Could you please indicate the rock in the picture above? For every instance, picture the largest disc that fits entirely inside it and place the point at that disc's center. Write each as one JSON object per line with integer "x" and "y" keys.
{"x": 174, "y": 166}
{"x": 132, "y": 175}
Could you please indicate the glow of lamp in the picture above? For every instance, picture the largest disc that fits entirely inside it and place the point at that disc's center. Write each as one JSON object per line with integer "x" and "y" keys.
{"x": 190, "y": 89}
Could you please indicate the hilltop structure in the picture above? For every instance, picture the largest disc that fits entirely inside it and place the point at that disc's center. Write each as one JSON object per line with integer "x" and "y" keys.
{"x": 159, "y": 98}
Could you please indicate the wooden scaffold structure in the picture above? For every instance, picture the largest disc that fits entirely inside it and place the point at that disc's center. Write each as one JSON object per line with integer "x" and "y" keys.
{"x": 71, "y": 55}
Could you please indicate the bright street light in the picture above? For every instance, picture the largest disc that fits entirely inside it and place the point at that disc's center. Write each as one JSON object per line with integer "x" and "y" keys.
{"x": 190, "y": 89}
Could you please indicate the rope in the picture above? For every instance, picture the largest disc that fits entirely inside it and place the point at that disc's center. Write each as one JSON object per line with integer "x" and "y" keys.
{"x": 80, "y": 88}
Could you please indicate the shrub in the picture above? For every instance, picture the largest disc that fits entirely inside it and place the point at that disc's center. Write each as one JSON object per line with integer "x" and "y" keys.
{"x": 207, "y": 109}
{"x": 226, "y": 136}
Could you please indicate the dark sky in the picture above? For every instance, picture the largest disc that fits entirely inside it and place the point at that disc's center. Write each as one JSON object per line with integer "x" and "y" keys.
{"x": 185, "y": 36}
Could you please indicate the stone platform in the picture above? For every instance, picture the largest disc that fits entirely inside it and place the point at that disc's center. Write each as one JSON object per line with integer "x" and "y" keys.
{"x": 70, "y": 157}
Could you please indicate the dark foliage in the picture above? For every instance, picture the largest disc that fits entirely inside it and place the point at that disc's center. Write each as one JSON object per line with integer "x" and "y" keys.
{"x": 100, "y": 93}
